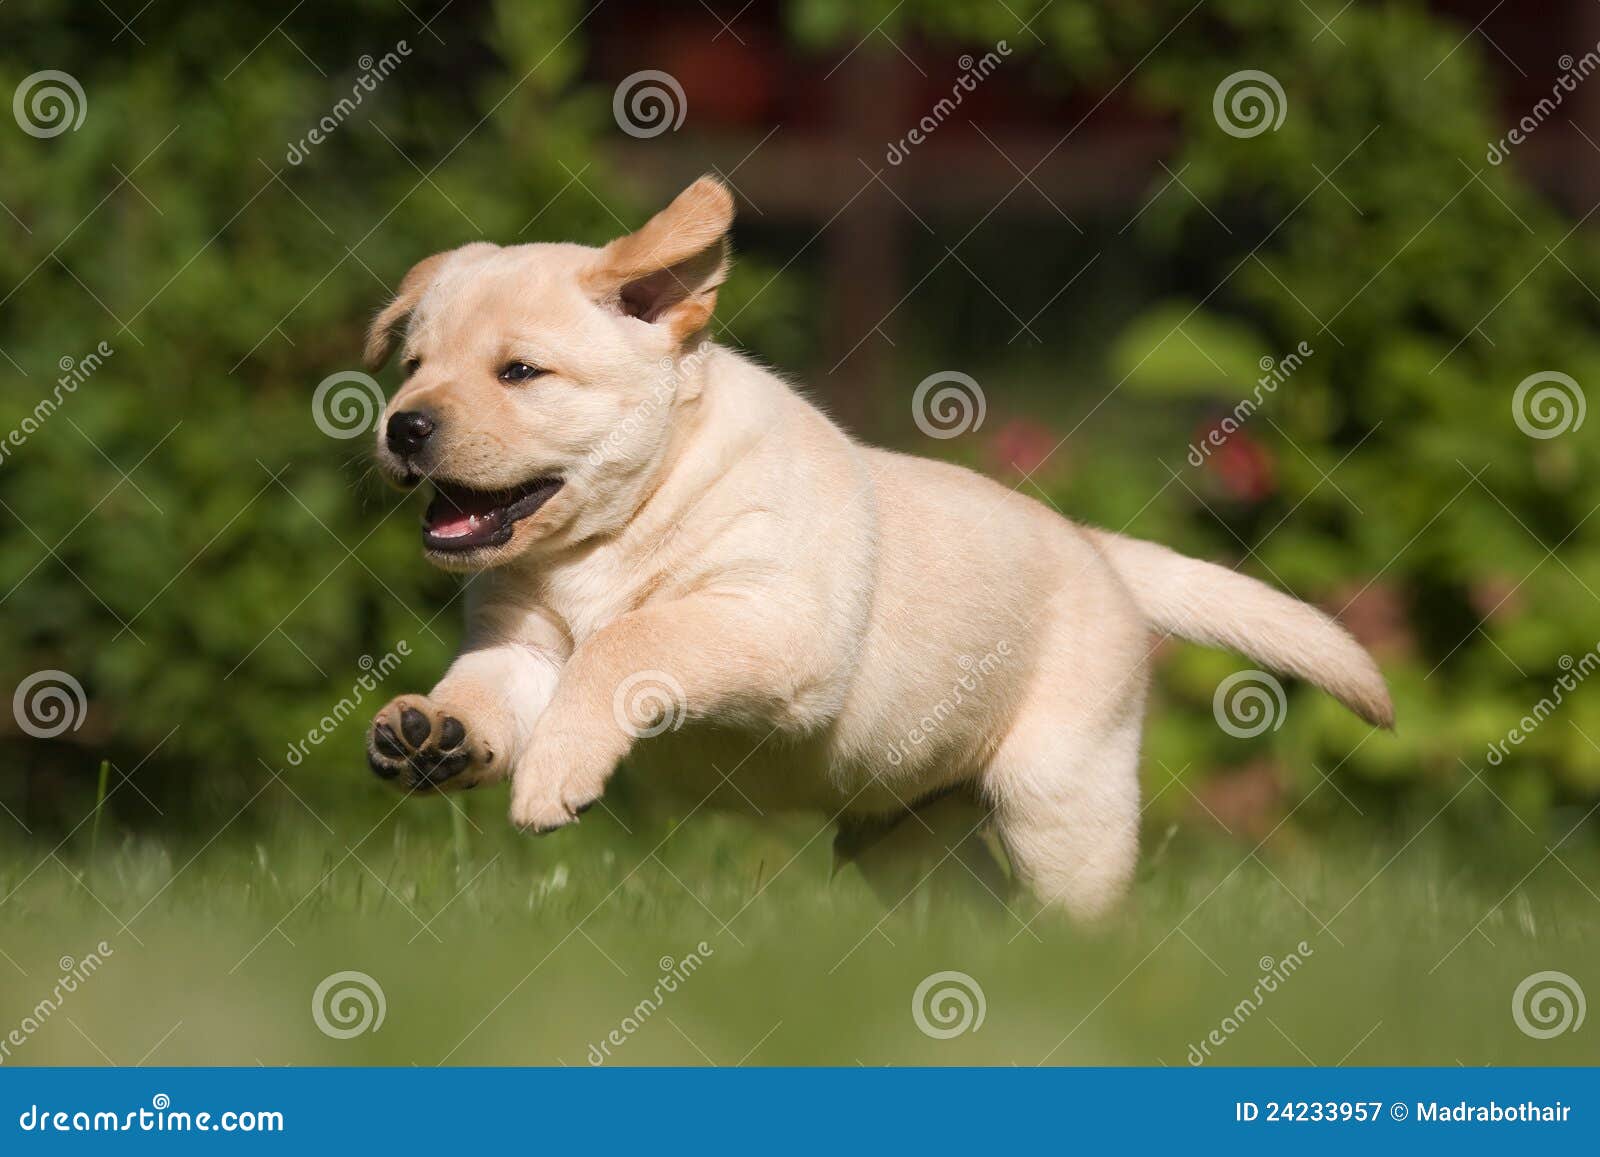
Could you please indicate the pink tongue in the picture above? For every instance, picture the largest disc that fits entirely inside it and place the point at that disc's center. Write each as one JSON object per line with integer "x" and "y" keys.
{"x": 456, "y": 525}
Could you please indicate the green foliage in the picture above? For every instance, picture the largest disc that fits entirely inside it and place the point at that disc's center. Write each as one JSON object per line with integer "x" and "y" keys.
{"x": 179, "y": 535}
{"x": 1429, "y": 284}
{"x": 182, "y": 538}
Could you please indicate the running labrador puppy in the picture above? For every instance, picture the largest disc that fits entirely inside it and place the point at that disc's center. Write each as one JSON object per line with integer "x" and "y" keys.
{"x": 683, "y": 562}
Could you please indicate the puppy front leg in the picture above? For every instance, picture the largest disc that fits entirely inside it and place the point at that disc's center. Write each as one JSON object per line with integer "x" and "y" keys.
{"x": 646, "y": 672}
{"x": 471, "y": 727}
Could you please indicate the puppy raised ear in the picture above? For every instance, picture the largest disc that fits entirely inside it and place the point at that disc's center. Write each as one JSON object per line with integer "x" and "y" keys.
{"x": 380, "y": 335}
{"x": 668, "y": 272}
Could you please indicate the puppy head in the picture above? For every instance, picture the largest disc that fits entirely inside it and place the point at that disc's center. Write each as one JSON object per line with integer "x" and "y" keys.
{"x": 542, "y": 381}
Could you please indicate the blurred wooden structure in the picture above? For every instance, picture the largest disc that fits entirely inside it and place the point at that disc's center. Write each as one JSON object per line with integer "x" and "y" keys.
{"x": 804, "y": 138}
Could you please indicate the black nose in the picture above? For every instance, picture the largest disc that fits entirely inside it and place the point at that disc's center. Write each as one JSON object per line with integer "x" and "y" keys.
{"x": 408, "y": 431}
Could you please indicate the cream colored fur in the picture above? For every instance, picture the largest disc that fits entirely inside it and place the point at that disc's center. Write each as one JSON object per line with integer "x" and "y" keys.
{"x": 828, "y": 625}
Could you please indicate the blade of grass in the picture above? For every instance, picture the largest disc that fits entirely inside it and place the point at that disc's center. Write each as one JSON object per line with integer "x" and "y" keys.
{"x": 99, "y": 809}
{"x": 458, "y": 842}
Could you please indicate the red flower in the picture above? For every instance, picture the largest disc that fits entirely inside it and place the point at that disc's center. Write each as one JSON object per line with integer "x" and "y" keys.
{"x": 1244, "y": 467}
{"x": 1023, "y": 446}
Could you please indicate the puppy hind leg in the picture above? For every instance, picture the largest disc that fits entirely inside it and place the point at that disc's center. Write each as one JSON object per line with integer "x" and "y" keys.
{"x": 1067, "y": 811}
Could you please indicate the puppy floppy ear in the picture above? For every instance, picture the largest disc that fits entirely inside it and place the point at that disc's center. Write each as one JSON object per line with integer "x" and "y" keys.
{"x": 380, "y": 335}
{"x": 668, "y": 272}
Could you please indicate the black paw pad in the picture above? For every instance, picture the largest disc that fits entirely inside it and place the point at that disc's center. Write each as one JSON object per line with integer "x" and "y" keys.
{"x": 381, "y": 766}
{"x": 414, "y": 726}
{"x": 451, "y": 733}
{"x": 387, "y": 742}
{"x": 436, "y": 768}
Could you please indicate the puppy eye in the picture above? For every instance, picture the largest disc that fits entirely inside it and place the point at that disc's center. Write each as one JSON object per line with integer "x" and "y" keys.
{"x": 519, "y": 372}
{"x": 409, "y": 366}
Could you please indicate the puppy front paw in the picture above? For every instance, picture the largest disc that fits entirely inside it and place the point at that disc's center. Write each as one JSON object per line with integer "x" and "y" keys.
{"x": 543, "y": 811}
{"x": 543, "y": 800}
{"x": 419, "y": 745}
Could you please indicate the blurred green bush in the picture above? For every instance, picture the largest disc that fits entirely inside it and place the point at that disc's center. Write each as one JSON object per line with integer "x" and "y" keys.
{"x": 180, "y": 535}
{"x": 1428, "y": 284}
{"x": 182, "y": 538}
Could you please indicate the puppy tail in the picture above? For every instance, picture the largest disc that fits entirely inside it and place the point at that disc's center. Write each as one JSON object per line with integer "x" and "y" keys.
{"x": 1214, "y": 606}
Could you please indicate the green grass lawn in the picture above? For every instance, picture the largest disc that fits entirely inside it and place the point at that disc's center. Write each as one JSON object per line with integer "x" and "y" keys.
{"x": 492, "y": 948}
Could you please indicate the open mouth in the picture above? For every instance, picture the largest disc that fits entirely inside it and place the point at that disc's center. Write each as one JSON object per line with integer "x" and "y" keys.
{"x": 460, "y": 518}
